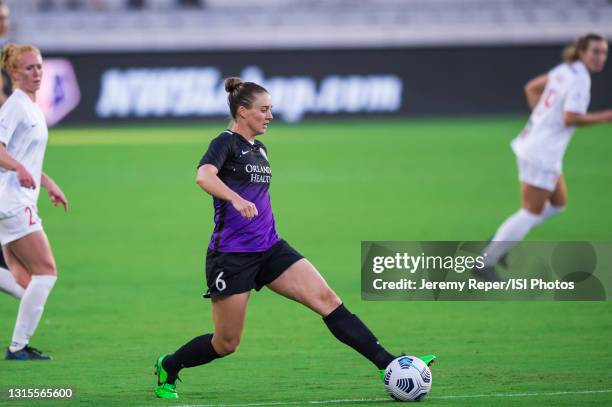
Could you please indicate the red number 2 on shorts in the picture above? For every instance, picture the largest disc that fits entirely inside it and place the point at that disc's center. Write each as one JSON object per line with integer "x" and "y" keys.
{"x": 31, "y": 215}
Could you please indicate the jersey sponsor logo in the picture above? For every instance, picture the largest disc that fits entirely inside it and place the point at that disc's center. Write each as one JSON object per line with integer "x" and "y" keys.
{"x": 260, "y": 174}
{"x": 244, "y": 152}
{"x": 199, "y": 91}
{"x": 264, "y": 169}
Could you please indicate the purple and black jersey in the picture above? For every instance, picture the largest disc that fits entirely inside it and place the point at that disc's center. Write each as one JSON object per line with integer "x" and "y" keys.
{"x": 245, "y": 169}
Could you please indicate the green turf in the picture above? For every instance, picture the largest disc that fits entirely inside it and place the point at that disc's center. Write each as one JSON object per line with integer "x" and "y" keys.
{"x": 131, "y": 262}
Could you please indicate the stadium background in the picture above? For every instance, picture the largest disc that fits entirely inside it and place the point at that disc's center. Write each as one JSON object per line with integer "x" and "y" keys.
{"x": 422, "y": 155}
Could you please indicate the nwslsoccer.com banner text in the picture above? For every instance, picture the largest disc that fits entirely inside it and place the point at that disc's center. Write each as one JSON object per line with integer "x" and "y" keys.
{"x": 461, "y": 271}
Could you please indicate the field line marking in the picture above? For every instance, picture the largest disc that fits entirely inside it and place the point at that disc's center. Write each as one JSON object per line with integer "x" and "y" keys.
{"x": 533, "y": 394}
{"x": 342, "y": 401}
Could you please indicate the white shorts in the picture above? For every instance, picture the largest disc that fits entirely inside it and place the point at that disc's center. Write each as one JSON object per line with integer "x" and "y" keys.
{"x": 24, "y": 222}
{"x": 534, "y": 175}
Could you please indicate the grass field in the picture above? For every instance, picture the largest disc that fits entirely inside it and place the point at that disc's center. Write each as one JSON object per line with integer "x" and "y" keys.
{"x": 131, "y": 261}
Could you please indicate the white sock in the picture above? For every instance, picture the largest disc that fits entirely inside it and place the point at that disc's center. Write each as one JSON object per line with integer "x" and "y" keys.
{"x": 550, "y": 211}
{"x": 30, "y": 310}
{"x": 9, "y": 284}
{"x": 513, "y": 230}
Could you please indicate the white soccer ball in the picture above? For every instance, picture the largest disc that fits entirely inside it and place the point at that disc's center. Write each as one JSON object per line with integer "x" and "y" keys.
{"x": 407, "y": 378}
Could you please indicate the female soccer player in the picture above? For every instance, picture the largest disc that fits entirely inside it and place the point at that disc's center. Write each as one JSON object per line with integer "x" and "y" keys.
{"x": 245, "y": 252}
{"x": 23, "y": 140}
{"x": 559, "y": 99}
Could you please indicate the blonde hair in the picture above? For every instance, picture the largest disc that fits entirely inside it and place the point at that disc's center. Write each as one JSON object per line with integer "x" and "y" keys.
{"x": 571, "y": 53}
{"x": 9, "y": 59}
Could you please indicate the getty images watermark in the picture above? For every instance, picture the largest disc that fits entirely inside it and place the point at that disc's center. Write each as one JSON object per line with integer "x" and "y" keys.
{"x": 459, "y": 271}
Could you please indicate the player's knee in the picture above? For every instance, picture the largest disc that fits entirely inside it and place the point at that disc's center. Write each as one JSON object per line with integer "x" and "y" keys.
{"x": 226, "y": 346}
{"x": 533, "y": 209}
{"x": 560, "y": 208}
{"x": 47, "y": 268}
{"x": 559, "y": 205}
{"x": 23, "y": 279}
{"x": 559, "y": 201}
{"x": 330, "y": 299}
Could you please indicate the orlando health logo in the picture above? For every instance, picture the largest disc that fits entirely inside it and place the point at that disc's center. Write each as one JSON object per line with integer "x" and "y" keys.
{"x": 59, "y": 92}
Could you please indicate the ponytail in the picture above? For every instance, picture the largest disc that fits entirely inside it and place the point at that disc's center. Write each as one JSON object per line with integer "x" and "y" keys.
{"x": 5, "y": 55}
{"x": 570, "y": 53}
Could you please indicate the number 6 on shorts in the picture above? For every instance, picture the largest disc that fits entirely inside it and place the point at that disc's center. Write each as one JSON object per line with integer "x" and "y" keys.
{"x": 220, "y": 283}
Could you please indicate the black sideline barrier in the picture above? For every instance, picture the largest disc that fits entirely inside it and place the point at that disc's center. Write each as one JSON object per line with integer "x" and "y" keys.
{"x": 120, "y": 87}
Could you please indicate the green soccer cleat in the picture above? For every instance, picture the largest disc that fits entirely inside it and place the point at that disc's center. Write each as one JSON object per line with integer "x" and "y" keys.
{"x": 428, "y": 359}
{"x": 164, "y": 389}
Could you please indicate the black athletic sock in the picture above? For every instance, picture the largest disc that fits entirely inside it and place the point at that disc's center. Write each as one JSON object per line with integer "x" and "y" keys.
{"x": 196, "y": 352}
{"x": 349, "y": 329}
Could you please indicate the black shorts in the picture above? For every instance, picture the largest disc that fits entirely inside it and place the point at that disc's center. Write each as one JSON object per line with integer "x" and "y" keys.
{"x": 234, "y": 273}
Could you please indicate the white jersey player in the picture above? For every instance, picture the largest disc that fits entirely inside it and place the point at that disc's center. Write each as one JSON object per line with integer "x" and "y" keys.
{"x": 545, "y": 138}
{"x": 559, "y": 101}
{"x": 23, "y": 140}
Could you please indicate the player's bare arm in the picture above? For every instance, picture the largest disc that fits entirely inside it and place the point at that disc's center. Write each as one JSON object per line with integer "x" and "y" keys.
{"x": 579, "y": 119}
{"x": 56, "y": 194}
{"x": 534, "y": 89}
{"x": 208, "y": 180}
{"x": 23, "y": 175}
